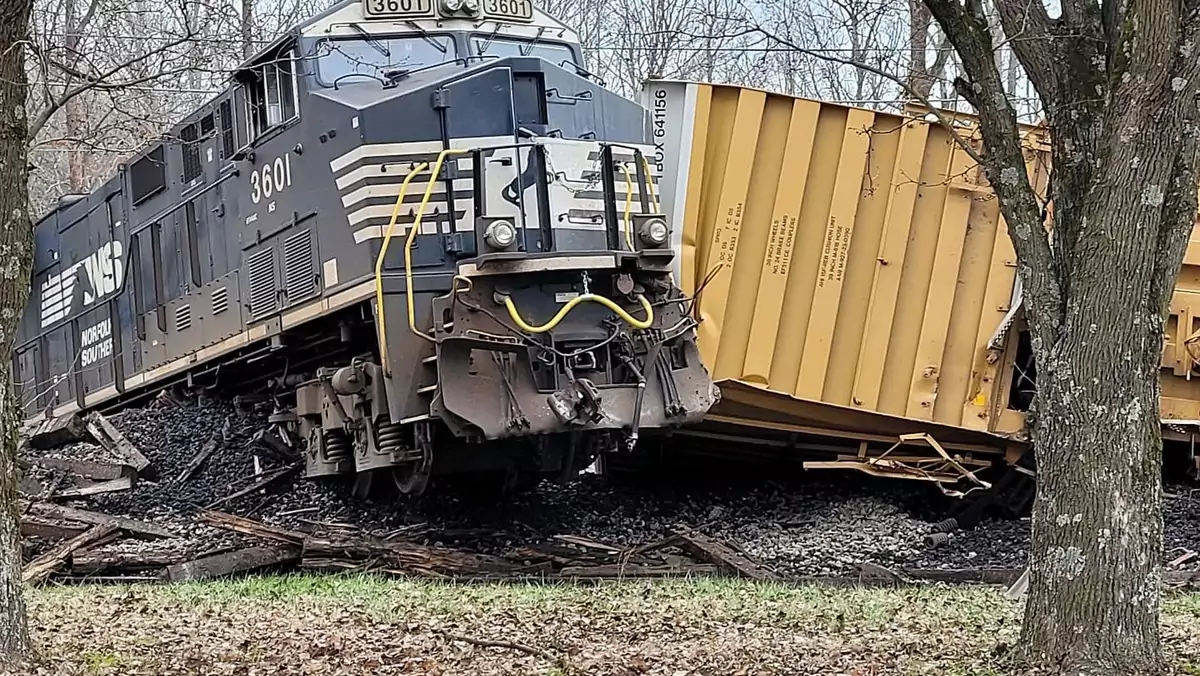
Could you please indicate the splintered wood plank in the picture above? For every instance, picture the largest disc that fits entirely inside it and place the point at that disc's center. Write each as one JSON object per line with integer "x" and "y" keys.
{"x": 131, "y": 526}
{"x": 263, "y": 482}
{"x": 588, "y": 544}
{"x": 620, "y": 571}
{"x": 90, "y": 563}
{"x": 197, "y": 461}
{"x": 242, "y": 560}
{"x": 707, "y": 549}
{"x": 251, "y": 527}
{"x": 50, "y": 529}
{"x": 112, "y": 439}
{"x": 99, "y": 471}
{"x": 57, "y": 432}
{"x": 42, "y": 567}
{"x": 116, "y": 485}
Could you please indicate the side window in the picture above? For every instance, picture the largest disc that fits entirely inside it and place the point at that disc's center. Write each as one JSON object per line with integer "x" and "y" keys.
{"x": 270, "y": 94}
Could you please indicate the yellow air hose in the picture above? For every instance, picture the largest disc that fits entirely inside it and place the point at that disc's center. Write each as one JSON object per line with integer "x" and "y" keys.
{"x": 587, "y": 297}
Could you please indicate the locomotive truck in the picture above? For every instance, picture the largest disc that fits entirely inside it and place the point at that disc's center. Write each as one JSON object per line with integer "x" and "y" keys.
{"x": 422, "y": 230}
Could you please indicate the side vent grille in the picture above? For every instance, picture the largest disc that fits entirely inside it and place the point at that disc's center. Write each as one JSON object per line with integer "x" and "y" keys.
{"x": 183, "y": 317}
{"x": 299, "y": 277}
{"x": 227, "y": 141}
{"x": 263, "y": 297}
{"x": 220, "y": 300}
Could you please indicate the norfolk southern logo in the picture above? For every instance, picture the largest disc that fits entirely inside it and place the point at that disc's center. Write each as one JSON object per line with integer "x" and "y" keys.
{"x": 525, "y": 180}
{"x": 92, "y": 278}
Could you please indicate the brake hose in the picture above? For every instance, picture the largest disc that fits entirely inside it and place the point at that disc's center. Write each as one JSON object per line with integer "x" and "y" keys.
{"x": 587, "y": 297}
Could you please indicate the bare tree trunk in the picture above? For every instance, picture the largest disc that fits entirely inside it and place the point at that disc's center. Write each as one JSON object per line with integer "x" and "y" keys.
{"x": 247, "y": 27}
{"x": 919, "y": 19}
{"x": 1119, "y": 85}
{"x": 1097, "y": 540}
{"x": 16, "y": 249}
{"x": 76, "y": 115}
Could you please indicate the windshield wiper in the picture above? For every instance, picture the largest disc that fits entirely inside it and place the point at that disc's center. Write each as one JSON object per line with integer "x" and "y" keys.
{"x": 526, "y": 51}
{"x": 487, "y": 43}
{"x": 425, "y": 36}
{"x": 376, "y": 44}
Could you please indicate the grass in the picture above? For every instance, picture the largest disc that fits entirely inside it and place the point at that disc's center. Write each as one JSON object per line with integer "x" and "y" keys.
{"x": 299, "y": 624}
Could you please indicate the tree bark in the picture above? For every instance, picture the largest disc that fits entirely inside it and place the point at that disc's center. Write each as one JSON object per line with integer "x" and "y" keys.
{"x": 247, "y": 28}
{"x": 76, "y": 115}
{"x": 16, "y": 252}
{"x": 919, "y": 18}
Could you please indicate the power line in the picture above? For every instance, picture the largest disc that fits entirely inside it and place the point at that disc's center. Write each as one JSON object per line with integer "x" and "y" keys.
{"x": 586, "y": 48}
{"x": 134, "y": 88}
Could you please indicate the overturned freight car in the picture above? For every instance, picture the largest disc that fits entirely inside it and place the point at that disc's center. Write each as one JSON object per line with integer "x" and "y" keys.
{"x": 857, "y": 285}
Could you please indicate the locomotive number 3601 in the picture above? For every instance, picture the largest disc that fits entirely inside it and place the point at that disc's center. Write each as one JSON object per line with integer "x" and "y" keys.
{"x": 272, "y": 178}
{"x": 518, "y": 9}
{"x": 399, "y": 7}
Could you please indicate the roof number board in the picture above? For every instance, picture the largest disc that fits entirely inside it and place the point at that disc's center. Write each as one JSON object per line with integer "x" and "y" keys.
{"x": 399, "y": 9}
{"x": 513, "y": 10}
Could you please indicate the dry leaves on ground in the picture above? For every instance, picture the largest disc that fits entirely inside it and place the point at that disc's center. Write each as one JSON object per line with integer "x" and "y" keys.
{"x": 330, "y": 626}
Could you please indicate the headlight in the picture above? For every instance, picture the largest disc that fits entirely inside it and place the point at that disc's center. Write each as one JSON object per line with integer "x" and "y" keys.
{"x": 452, "y": 5}
{"x": 654, "y": 232}
{"x": 500, "y": 235}
{"x": 471, "y": 5}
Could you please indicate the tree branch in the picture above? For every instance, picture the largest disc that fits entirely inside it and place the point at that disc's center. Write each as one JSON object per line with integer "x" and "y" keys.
{"x": 1030, "y": 32}
{"x": 103, "y": 81}
{"x": 93, "y": 7}
{"x": 1004, "y": 163}
{"x": 1179, "y": 218}
{"x": 941, "y": 119}
{"x": 1111, "y": 18}
{"x": 560, "y": 662}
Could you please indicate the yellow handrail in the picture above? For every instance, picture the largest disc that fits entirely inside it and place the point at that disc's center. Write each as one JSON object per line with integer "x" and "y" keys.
{"x": 628, "y": 206}
{"x": 387, "y": 239}
{"x": 412, "y": 235}
{"x": 650, "y": 184}
{"x": 617, "y": 309}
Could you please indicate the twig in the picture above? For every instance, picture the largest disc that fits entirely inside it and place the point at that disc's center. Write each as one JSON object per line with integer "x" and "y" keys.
{"x": 941, "y": 119}
{"x": 560, "y": 662}
{"x": 266, "y": 479}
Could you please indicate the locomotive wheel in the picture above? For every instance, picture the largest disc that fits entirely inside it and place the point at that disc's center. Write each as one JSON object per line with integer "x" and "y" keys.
{"x": 413, "y": 478}
{"x": 362, "y": 485}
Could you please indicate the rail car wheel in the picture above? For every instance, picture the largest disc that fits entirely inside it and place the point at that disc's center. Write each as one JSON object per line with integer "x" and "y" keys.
{"x": 412, "y": 478}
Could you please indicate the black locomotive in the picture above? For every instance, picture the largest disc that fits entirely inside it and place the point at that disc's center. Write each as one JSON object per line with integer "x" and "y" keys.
{"x": 425, "y": 232}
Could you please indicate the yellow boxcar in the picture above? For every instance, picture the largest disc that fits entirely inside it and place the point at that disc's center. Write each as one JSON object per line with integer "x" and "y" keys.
{"x": 856, "y": 278}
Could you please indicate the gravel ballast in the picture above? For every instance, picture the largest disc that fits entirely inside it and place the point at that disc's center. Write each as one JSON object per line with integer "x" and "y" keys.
{"x": 816, "y": 524}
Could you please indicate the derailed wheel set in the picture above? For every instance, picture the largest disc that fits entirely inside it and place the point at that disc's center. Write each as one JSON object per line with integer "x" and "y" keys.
{"x": 441, "y": 246}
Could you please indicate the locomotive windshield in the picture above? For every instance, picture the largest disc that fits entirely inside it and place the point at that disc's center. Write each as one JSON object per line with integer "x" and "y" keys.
{"x": 553, "y": 52}
{"x": 340, "y": 61}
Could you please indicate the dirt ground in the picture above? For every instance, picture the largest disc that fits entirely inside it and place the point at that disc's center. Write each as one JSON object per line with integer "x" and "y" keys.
{"x": 297, "y": 625}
